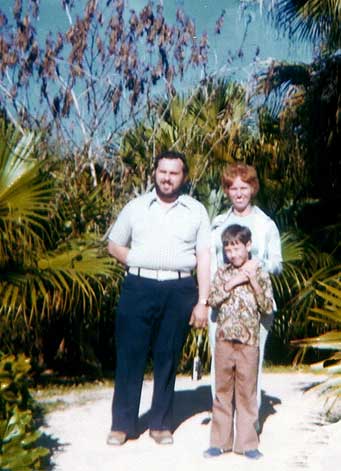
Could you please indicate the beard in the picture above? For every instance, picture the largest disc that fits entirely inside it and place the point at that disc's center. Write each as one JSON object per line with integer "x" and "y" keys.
{"x": 170, "y": 195}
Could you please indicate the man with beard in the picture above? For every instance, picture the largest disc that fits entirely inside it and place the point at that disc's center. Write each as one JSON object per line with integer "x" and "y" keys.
{"x": 161, "y": 237}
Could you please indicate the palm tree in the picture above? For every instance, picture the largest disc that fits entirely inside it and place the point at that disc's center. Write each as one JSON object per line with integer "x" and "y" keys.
{"x": 40, "y": 278}
{"x": 207, "y": 125}
{"x": 315, "y": 20}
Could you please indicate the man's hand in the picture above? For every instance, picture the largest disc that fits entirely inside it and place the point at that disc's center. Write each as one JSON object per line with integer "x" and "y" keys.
{"x": 118, "y": 251}
{"x": 199, "y": 316}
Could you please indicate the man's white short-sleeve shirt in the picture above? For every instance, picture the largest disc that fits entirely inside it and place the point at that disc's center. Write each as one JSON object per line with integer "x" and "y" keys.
{"x": 159, "y": 237}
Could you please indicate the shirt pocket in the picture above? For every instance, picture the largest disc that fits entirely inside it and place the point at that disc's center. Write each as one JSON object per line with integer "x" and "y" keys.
{"x": 185, "y": 228}
{"x": 141, "y": 228}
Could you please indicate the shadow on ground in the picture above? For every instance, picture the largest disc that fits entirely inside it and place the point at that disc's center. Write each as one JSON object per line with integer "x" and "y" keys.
{"x": 191, "y": 402}
{"x": 53, "y": 445}
{"x": 267, "y": 408}
{"x": 186, "y": 404}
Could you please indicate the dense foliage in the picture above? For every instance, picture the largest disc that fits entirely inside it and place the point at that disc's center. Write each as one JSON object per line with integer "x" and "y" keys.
{"x": 310, "y": 108}
{"x": 18, "y": 437}
{"x": 51, "y": 275}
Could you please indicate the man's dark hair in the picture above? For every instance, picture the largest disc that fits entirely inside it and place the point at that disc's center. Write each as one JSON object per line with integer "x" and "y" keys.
{"x": 234, "y": 234}
{"x": 171, "y": 154}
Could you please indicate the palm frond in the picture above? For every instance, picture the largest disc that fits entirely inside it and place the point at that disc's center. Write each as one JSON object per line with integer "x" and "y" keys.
{"x": 332, "y": 294}
{"x": 329, "y": 292}
{"x": 62, "y": 279}
{"x": 313, "y": 20}
{"x": 329, "y": 341}
{"x": 25, "y": 197}
{"x": 293, "y": 275}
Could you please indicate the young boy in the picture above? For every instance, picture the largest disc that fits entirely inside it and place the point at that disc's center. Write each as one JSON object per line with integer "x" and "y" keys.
{"x": 241, "y": 291}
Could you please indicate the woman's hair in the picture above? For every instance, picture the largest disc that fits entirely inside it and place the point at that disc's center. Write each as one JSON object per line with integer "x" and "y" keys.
{"x": 247, "y": 174}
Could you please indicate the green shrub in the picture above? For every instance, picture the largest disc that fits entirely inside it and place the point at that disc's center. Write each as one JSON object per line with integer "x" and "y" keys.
{"x": 17, "y": 429}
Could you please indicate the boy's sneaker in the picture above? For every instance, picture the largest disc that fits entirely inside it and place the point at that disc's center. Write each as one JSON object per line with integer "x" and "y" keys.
{"x": 213, "y": 451}
{"x": 253, "y": 454}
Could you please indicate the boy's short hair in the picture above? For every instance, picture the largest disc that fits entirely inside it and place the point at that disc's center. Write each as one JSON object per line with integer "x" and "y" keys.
{"x": 234, "y": 234}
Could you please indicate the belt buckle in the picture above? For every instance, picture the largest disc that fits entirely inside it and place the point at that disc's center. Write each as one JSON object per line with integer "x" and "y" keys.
{"x": 161, "y": 275}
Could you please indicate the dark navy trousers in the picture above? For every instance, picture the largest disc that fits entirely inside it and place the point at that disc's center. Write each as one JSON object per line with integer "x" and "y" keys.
{"x": 152, "y": 316}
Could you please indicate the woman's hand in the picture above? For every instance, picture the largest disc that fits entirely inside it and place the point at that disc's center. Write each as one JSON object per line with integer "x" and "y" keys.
{"x": 249, "y": 268}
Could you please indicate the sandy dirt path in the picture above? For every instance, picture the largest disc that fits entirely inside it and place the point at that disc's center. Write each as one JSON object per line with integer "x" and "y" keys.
{"x": 294, "y": 436}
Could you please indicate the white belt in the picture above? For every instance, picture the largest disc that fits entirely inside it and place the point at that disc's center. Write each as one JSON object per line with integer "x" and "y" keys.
{"x": 160, "y": 275}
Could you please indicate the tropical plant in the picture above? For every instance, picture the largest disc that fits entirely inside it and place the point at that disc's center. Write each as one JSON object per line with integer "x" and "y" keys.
{"x": 42, "y": 276}
{"x": 18, "y": 450}
{"x": 18, "y": 434}
{"x": 315, "y": 20}
{"x": 328, "y": 314}
{"x": 26, "y": 202}
{"x": 309, "y": 118}
{"x": 295, "y": 290}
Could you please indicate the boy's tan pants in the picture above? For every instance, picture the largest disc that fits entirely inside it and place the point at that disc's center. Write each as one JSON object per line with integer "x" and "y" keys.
{"x": 236, "y": 397}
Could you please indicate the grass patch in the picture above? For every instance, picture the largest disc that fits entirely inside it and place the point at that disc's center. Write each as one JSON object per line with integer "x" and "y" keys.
{"x": 52, "y": 397}
{"x": 50, "y": 390}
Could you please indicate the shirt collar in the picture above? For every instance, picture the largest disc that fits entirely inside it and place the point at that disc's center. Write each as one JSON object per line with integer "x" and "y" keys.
{"x": 182, "y": 199}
